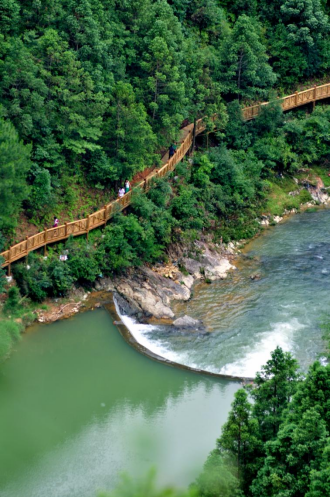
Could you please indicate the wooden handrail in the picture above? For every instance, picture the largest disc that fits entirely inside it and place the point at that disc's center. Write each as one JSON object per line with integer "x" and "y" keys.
{"x": 101, "y": 216}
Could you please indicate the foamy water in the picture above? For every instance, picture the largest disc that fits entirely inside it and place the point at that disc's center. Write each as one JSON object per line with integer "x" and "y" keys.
{"x": 248, "y": 320}
{"x": 281, "y": 335}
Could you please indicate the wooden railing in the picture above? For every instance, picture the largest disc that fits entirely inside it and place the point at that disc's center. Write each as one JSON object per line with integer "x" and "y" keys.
{"x": 99, "y": 218}
{"x": 295, "y": 100}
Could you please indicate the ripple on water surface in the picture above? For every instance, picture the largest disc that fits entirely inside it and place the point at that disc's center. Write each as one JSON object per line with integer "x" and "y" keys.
{"x": 247, "y": 319}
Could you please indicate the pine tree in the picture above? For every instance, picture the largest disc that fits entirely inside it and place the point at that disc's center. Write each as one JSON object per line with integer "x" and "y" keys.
{"x": 128, "y": 138}
{"x": 291, "y": 457}
{"x": 239, "y": 440}
{"x": 307, "y": 26}
{"x": 313, "y": 392}
{"x": 244, "y": 68}
{"x": 276, "y": 384}
{"x": 9, "y": 16}
{"x": 50, "y": 99}
{"x": 206, "y": 15}
{"x": 161, "y": 79}
{"x": 203, "y": 94}
{"x": 320, "y": 479}
{"x": 14, "y": 165}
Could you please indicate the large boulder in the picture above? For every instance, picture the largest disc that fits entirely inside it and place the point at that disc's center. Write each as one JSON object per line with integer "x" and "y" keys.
{"x": 145, "y": 297}
{"x": 126, "y": 307}
{"x": 187, "y": 322}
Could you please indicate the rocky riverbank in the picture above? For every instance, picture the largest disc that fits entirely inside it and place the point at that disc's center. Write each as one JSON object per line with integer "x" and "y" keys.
{"x": 146, "y": 293}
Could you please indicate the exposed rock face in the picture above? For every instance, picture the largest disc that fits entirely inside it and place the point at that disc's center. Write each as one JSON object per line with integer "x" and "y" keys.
{"x": 187, "y": 322}
{"x": 209, "y": 264}
{"x": 319, "y": 195}
{"x": 148, "y": 293}
{"x": 145, "y": 297}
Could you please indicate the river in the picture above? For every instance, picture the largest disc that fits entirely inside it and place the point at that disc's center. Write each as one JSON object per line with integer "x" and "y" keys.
{"x": 79, "y": 405}
{"x": 246, "y": 319}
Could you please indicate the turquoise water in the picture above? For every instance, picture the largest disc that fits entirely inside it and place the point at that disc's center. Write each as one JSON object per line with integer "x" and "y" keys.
{"x": 78, "y": 406}
{"x": 248, "y": 318}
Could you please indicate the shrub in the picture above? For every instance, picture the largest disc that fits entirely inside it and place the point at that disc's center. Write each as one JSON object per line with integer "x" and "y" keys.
{"x": 59, "y": 273}
{"x": 33, "y": 280}
{"x": 12, "y": 300}
{"x": 5, "y": 341}
{"x": 9, "y": 333}
{"x": 83, "y": 264}
{"x": 304, "y": 196}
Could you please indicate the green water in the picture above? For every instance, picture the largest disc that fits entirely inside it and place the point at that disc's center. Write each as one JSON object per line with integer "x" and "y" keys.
{"x": 78, "y": 406}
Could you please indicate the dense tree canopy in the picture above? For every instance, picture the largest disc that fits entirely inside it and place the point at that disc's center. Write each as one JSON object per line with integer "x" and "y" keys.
{"x": 14, "y": 166}
{"x": 98, "y": 88}
{"x": 279, "y": 445}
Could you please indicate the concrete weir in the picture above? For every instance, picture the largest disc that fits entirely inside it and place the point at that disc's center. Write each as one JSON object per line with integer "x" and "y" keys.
{"x": 131, "y": 340}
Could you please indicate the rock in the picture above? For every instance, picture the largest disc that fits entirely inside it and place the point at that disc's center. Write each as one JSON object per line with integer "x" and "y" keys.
{"x": 187, "y": 280}
{"x": 126, "y": 307}
{"x": 215, "y": 268}
{"x": 264, "y": 222}
{"x": 144, "y": 296}
{"x": 187, "y": 322}
{"x": 105, "y": 284}
{"x": 148, "y": 292}
{"x": 230, "y": 248}
{"x": 255, "y": 276}
{"x": 277, "y": 219}
{"x": 193, "y": 267}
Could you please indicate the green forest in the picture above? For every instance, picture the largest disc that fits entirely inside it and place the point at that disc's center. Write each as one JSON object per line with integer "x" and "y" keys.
{"x": 276, "y": 440}
{"x": 92, "y": 92}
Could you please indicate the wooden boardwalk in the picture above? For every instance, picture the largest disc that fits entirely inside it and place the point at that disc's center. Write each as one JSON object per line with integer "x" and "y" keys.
{"x": 100, "y": 218}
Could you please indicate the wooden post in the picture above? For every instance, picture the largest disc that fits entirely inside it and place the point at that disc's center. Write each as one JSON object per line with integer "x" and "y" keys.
{"x": 87, "y": 226}
{"x": 296, "y": 98}
{"x": 26, "y": 247}
{"x": 105, "y": 214}
{"x": 45, "y": 246}
{"x": 314, "y": 97}
{"x": 66, "y": 229}
{"x": 9, "y": 270}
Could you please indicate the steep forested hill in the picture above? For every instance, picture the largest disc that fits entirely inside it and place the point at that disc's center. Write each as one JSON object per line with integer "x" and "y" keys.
{"x": 91, "y": 91}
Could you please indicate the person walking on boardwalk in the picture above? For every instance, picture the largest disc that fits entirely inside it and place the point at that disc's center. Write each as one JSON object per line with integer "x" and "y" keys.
{"x": 127, "y": 186}
{"x": 56, "y": 222}
{"x": 172, "y": 150}
{"x": 121, "y": 192}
